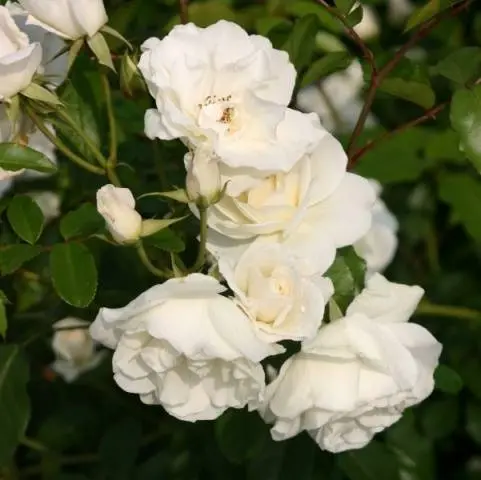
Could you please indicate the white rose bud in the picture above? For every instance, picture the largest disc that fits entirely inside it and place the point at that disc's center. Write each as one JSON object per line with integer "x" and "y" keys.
{"x": 203, "y": 180}
{"x": 74, "y": 348}
{"x": 117, "y": 206}
{"x": 19, "y": 59}
{"x": 70, "y": 19}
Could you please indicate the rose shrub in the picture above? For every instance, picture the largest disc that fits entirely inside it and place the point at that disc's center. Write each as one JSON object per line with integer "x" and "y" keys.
{"x": 239, "y": 239}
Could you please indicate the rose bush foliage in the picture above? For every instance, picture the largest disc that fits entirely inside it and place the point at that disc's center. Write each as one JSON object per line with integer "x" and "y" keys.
{"x": 239, "y": 239}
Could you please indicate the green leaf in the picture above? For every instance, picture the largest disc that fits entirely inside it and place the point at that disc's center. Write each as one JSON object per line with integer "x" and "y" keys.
{"x": 101, "y": 50}
{"x": 12, "y": 257}
{"x": 114, "y": 33}
{"x": 79, "y": 107}
{"x": 39, "y": 93}
{"x": 447, "y": 380}
{"x": 165, "y": 240}
{"x": 301, "y": 42}
{"x": 3, "y": 319}
{"x": 443, "y": 146}
{"x": 466, "y": 120}
{"x": 14, "y": 401}
{"x": 306, "y": 7}
{"x": 14, "y": 157}
{"x": 440, "y": 418}
{"x": 152, "y": 226}
{"x": 74, "y": 273}
{"x": 460, "y": 66}
{"x": 74, "y": 51}
{"x": 119, "y": 448}
{"x": 355, "y": 16}
{"x": 345, "y": 6}
{"x": 373, "y": 462}
{"x": 407, "y": 145}
{"x": 462, "y": 192}
{"x": 240, "y": 435}
{"x": 26, "y": 218}
{"x": 265, "y": 25}
{"x": 347, "y": 273}
{"x": 422, "y": 14}
{"x": 330, "y": 63}
{"x": 413, "y": 91}
{"x": 83, "y": 222}
{"x": 410, "y": 81}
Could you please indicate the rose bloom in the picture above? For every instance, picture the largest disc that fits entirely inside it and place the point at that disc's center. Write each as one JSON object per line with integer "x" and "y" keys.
{"x": 314, "y": 208}
{"x": 282, "y": 295}
{"x": 117, "y": 206}
{"x": 220, "y": 87}
{"x": 186, "y": 347}
{"x": 19, "y": 58}
{"x": 359, "y": 374}
{"x": 69, "y": 19}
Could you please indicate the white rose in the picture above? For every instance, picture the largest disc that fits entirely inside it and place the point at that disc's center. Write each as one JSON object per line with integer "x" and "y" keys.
{"x": 282, "y": 297}
{"x": 340, "y": 92}
{"x": 221, "y": 87}
{"x": 117, "y": 206}
{"x": 379, "y": 245}
{"x": 74, "y": 349}
{"x": 359, "y": 374}
{"x": 49, "y": 204}
{"x": 315, "y": 208}
{"x": 54, "y": 67}
{"x": 70, "y": 19}
{"x": 19, "y": 59}
{"x": 203, "y": 179}
{"x": 184, "y": 346}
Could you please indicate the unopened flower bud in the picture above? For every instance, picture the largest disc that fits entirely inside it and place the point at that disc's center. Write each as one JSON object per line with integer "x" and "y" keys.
{"x": 130, "y": 77}
{"x": 203, "y": 182}
{"x": 117, "y": 206}
{"x": 74, "y": 348}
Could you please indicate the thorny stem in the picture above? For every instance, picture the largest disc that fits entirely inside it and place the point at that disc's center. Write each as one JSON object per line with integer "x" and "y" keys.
{"x": 112, "y": 160}
{"x": 378, "y": 75}
{"x": 61, "y": 146}
{"x": 184, "y": 11}
{"x": 366, "y": 51}
{"x": 428, "y": 115}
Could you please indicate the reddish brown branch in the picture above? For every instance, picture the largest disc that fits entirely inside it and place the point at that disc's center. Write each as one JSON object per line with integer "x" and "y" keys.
{"x": 377, "y": 76}
{"x": 184, "y": 11}
{"x": 428, "y": 115}
{"x": 366, "y": 51}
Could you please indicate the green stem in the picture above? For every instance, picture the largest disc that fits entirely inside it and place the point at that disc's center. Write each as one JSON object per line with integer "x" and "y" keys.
{"x": 199, "y": 263}
{"x": 63, "y": 114}
{"x": 144, "y": 258}
{"x": 431, "y": 309}
{"x": 112, "y": 160}
{"x": 61, "y": 146}
{"x": 34, "y": 444}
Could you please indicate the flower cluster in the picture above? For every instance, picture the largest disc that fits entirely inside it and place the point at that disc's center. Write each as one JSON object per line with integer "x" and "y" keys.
{"x": 270, "y": 185}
